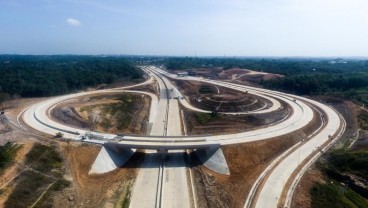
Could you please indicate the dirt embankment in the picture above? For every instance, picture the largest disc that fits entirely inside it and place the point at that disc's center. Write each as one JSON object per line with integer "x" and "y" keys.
{"x": 117, "y": 114}
{"x": 224, "y": 124}
{"x": 152, "y": 88}
{"x": 246, "y": 162}
{"x": 302, "y": 195}
{"x": 227, "y": 124}
{"x": 247, "y": 77}
{"x": 103, "y": 190}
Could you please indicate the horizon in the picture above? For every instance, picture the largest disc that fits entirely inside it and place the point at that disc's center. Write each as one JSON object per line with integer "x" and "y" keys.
{"x": 221, "y": 57}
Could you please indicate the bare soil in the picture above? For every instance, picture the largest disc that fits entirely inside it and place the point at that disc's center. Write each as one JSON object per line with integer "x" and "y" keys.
{"x": 211, "y": 73}
{"x": 152, "y": 88}
{"x": 121, "y": 83}
{"x": 14, "y": 170}
{"x": 302, "y": 197}
{"x": 97, "y": 190}
{"x": 225, "y": 124}
{"x": 218, "y": 98}
{"x": 86, "y": 191}
{"x": 88, "y": 113}
{"x": 247, "y": 77}
{"x": 246, "y": 162}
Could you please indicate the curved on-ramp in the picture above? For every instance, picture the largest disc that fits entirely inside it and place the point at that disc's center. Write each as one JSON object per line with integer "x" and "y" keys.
{"x": 37, "y": 117}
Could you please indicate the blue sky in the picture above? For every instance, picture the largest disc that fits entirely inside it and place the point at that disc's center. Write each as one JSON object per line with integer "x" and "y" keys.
{"x": 183, "y": 28}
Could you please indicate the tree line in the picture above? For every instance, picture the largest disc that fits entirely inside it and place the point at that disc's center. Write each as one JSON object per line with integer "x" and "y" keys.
{"x": 347, "y": 78}
{"x": 35, "y": 76}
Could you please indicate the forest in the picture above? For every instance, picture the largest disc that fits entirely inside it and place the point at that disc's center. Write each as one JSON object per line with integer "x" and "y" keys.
{"x": 347, "y": 78}
{"x": 35, "y": 76}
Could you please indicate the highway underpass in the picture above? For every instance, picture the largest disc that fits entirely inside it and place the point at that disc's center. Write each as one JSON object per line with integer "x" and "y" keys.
{"x": 165, "y": 118}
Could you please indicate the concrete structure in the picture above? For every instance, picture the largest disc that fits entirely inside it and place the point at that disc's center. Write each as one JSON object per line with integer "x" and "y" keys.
{"x": 182, "y": 74}
{"x": 165, "y": 127}
{"x": 109, "y": 158}
{"x": 213, "y": 159}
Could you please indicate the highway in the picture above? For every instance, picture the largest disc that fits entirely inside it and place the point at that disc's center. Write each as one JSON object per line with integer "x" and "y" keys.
{"x": 165, "y": 119}
{"x": 165, "y": 186}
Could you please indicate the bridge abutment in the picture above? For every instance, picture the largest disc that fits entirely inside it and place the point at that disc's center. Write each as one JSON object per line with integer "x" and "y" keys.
{"x": 213, "y": 159}
{"x": 110, "y": 157}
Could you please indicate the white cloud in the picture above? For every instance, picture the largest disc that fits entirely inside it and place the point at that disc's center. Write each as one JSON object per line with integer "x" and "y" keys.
{"x": 73, "y": 22}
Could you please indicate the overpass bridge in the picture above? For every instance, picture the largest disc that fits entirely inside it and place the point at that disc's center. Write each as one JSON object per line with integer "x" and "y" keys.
{"x": 160, "y": 143}
{"x": 117, "y": 149}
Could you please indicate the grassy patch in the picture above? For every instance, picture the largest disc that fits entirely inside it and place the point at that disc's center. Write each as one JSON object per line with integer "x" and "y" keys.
{"x": 350, "y": 161}
{"x": 7, "y": 154}
{"x": 30, "y": 186}
{"x": 207, "y": 89}
{"x": 204, "y": 118}
{"x": 46, "y": 169}
{"x": 57, "y": 186}
{"x": 122, "y": 111}
{"x": 363, "y": 120}
{"x": 126, "y": 201}
{"x": 85, "y": 108}
{"x": 44, "y": 159}
{"x": 124, "y": 197}
{"x": 331, "y": 195}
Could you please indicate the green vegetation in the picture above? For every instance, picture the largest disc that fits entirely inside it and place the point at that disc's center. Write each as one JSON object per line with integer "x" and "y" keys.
{"x": 55, "y": 186}
{"x": 33, "y": 76}
{"x": 206, "y": 89}
{"x": 286, "y": 66}
{"x": 355, "y": 162}
{"x": 45, "y": 171}
{"x": 44, "y": 159}
{"x": 341, "y": 166}
{"x": 123, "y": 111}
{"x": 204, "y": 118}
{"x": 29, "y": 187}
{"x": 331, "y": 195}
{"x": 346, "y": 78}
{"x": 7, "y": 154}
{"x": 3, "y": 97}
{"x": 59, "y": 135}
{"x": 346, "y": 84}
{"x": 363, "y": 120}
{"x": 126, "y": 201}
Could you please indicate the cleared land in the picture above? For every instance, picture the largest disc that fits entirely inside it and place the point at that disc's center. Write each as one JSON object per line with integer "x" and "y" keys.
{"x": 40, "y": 176}
{"x": 246, "y": 163}
{"x": 111, "y": 189}
{"x": 117, "y": 114}
{"x": 336, "y": 180}
{"x": 48, "y": 188}
{"x": 216, "y": 98}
